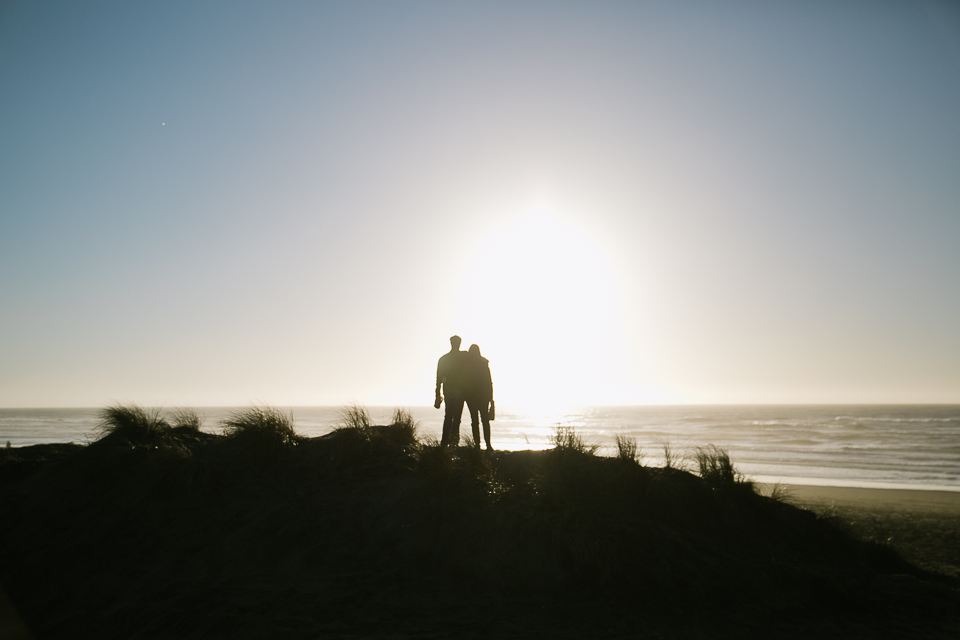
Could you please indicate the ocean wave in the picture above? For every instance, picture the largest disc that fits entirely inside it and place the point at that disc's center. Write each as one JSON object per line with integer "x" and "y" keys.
{"x": 907, "y": 420}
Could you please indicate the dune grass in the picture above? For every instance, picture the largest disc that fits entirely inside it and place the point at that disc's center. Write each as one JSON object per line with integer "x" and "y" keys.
{"x": 355, "y": 421}
{"x": 186, "y": 419}
{"x": 354, "y": 417}
{"x": 132, "y": 424}
{"x": 779, "y": 492}
{"x": 360, "y": 446}
{"x": 671, "y": 459}
{"x": 566, "y": 439}
{"x": 405, "y": 426}
{"x": 261, "y": 428}
{"x": 715, "y": 467}
{"x": 627, "y": 449}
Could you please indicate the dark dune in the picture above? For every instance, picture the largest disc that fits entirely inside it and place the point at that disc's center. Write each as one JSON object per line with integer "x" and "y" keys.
{"x": 367, "y": 532}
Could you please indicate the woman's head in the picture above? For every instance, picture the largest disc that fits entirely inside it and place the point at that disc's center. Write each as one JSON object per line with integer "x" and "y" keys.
{"x": 474, "y": 349}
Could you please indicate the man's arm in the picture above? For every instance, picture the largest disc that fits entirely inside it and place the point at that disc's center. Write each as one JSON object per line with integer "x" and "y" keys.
{"x": 437, "y": 399}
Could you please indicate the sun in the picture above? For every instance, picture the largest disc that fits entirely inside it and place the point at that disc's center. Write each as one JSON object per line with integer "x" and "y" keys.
{"x": 538, "y": 297}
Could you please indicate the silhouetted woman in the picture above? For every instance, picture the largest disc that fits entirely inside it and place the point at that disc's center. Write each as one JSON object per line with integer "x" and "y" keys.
{"x": 479, "y": 394}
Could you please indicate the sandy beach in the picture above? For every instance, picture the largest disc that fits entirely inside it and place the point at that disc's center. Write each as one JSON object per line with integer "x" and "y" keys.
{"x": 923, "y": 526}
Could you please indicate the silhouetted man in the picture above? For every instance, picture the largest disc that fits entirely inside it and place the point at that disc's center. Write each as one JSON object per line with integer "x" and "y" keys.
{"x": 451, "y": 374}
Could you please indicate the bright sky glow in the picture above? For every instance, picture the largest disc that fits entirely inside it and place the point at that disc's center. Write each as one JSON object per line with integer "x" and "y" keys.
{"x": 544, "y": 296}
{"x": 298, "y": 203}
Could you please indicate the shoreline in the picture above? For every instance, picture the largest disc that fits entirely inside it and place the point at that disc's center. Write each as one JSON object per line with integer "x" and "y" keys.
{"x": 839, "y": 483}
{"x": 920, "y": 498}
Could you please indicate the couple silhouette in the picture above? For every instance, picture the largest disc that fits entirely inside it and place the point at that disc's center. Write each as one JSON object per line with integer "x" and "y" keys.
{"x": 464, "y": 377}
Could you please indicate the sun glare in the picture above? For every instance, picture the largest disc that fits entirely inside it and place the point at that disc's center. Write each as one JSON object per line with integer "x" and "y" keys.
{"x": 538, "y": 297}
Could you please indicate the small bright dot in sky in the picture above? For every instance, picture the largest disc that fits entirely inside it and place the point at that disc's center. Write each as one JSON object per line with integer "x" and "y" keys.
{"x": 163, "y": 124}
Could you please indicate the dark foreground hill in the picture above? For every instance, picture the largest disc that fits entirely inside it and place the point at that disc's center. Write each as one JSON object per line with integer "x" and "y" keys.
{"x": 159, "y": 531}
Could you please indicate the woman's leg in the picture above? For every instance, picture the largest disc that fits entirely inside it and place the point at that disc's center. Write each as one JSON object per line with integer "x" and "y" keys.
{"x": 474, "y": 406}
{"x": 485, "y": 417}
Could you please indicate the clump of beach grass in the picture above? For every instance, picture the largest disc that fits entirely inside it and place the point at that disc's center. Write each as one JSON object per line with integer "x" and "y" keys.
{"x": 670, "y": 456}
{"x": 475, "y": 462}
{"x": 261, "y": 427}
{"x": 565, "y": 439}
{"x": 355, "y": 431}
{"x": 715, "y": 467}
{"x": 474, "y": 459}
{"x": 435, "y": 461}
{"x": 354, "y": 417}
{"x": 627, "y": 449}
{"x": 360, "y": 443}
{"x": 404, "y": 426}
{"x": 187, "y": 419}
{"x": 779, "y": 492}
{"x": 133, "y": 424}
{"x": 464, "y": 468}
{"x": 355, "y": 425}
{"x": 137, "y": 443}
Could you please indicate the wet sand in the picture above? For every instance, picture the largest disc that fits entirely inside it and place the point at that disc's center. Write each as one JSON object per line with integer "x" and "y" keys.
{"x": 923, "y": 526}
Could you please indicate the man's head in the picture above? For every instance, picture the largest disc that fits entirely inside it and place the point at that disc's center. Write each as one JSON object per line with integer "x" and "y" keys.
{"x": 455, "y": 343}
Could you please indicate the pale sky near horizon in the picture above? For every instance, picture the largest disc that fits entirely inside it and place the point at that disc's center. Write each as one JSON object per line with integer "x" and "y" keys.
{"x": 298, "y": 203}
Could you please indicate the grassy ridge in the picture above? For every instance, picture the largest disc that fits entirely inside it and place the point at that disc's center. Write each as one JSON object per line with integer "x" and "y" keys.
{"x": 161, "y": 530}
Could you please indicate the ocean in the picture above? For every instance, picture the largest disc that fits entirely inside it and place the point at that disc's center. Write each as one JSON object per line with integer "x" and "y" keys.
{"x": 879, "y": 446}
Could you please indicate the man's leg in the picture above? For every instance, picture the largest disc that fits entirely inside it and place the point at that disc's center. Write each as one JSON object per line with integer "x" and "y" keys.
{"x": 457, "y": 407}
{"x": 445, "y": 434}
{"x": 451, "y": 419}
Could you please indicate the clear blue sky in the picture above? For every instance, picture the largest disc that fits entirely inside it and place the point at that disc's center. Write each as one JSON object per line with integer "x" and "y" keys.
{"x": 621, "y": 202}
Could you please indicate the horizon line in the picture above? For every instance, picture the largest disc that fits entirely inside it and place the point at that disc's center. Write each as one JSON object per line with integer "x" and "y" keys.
{"x": 425, "y": 406}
